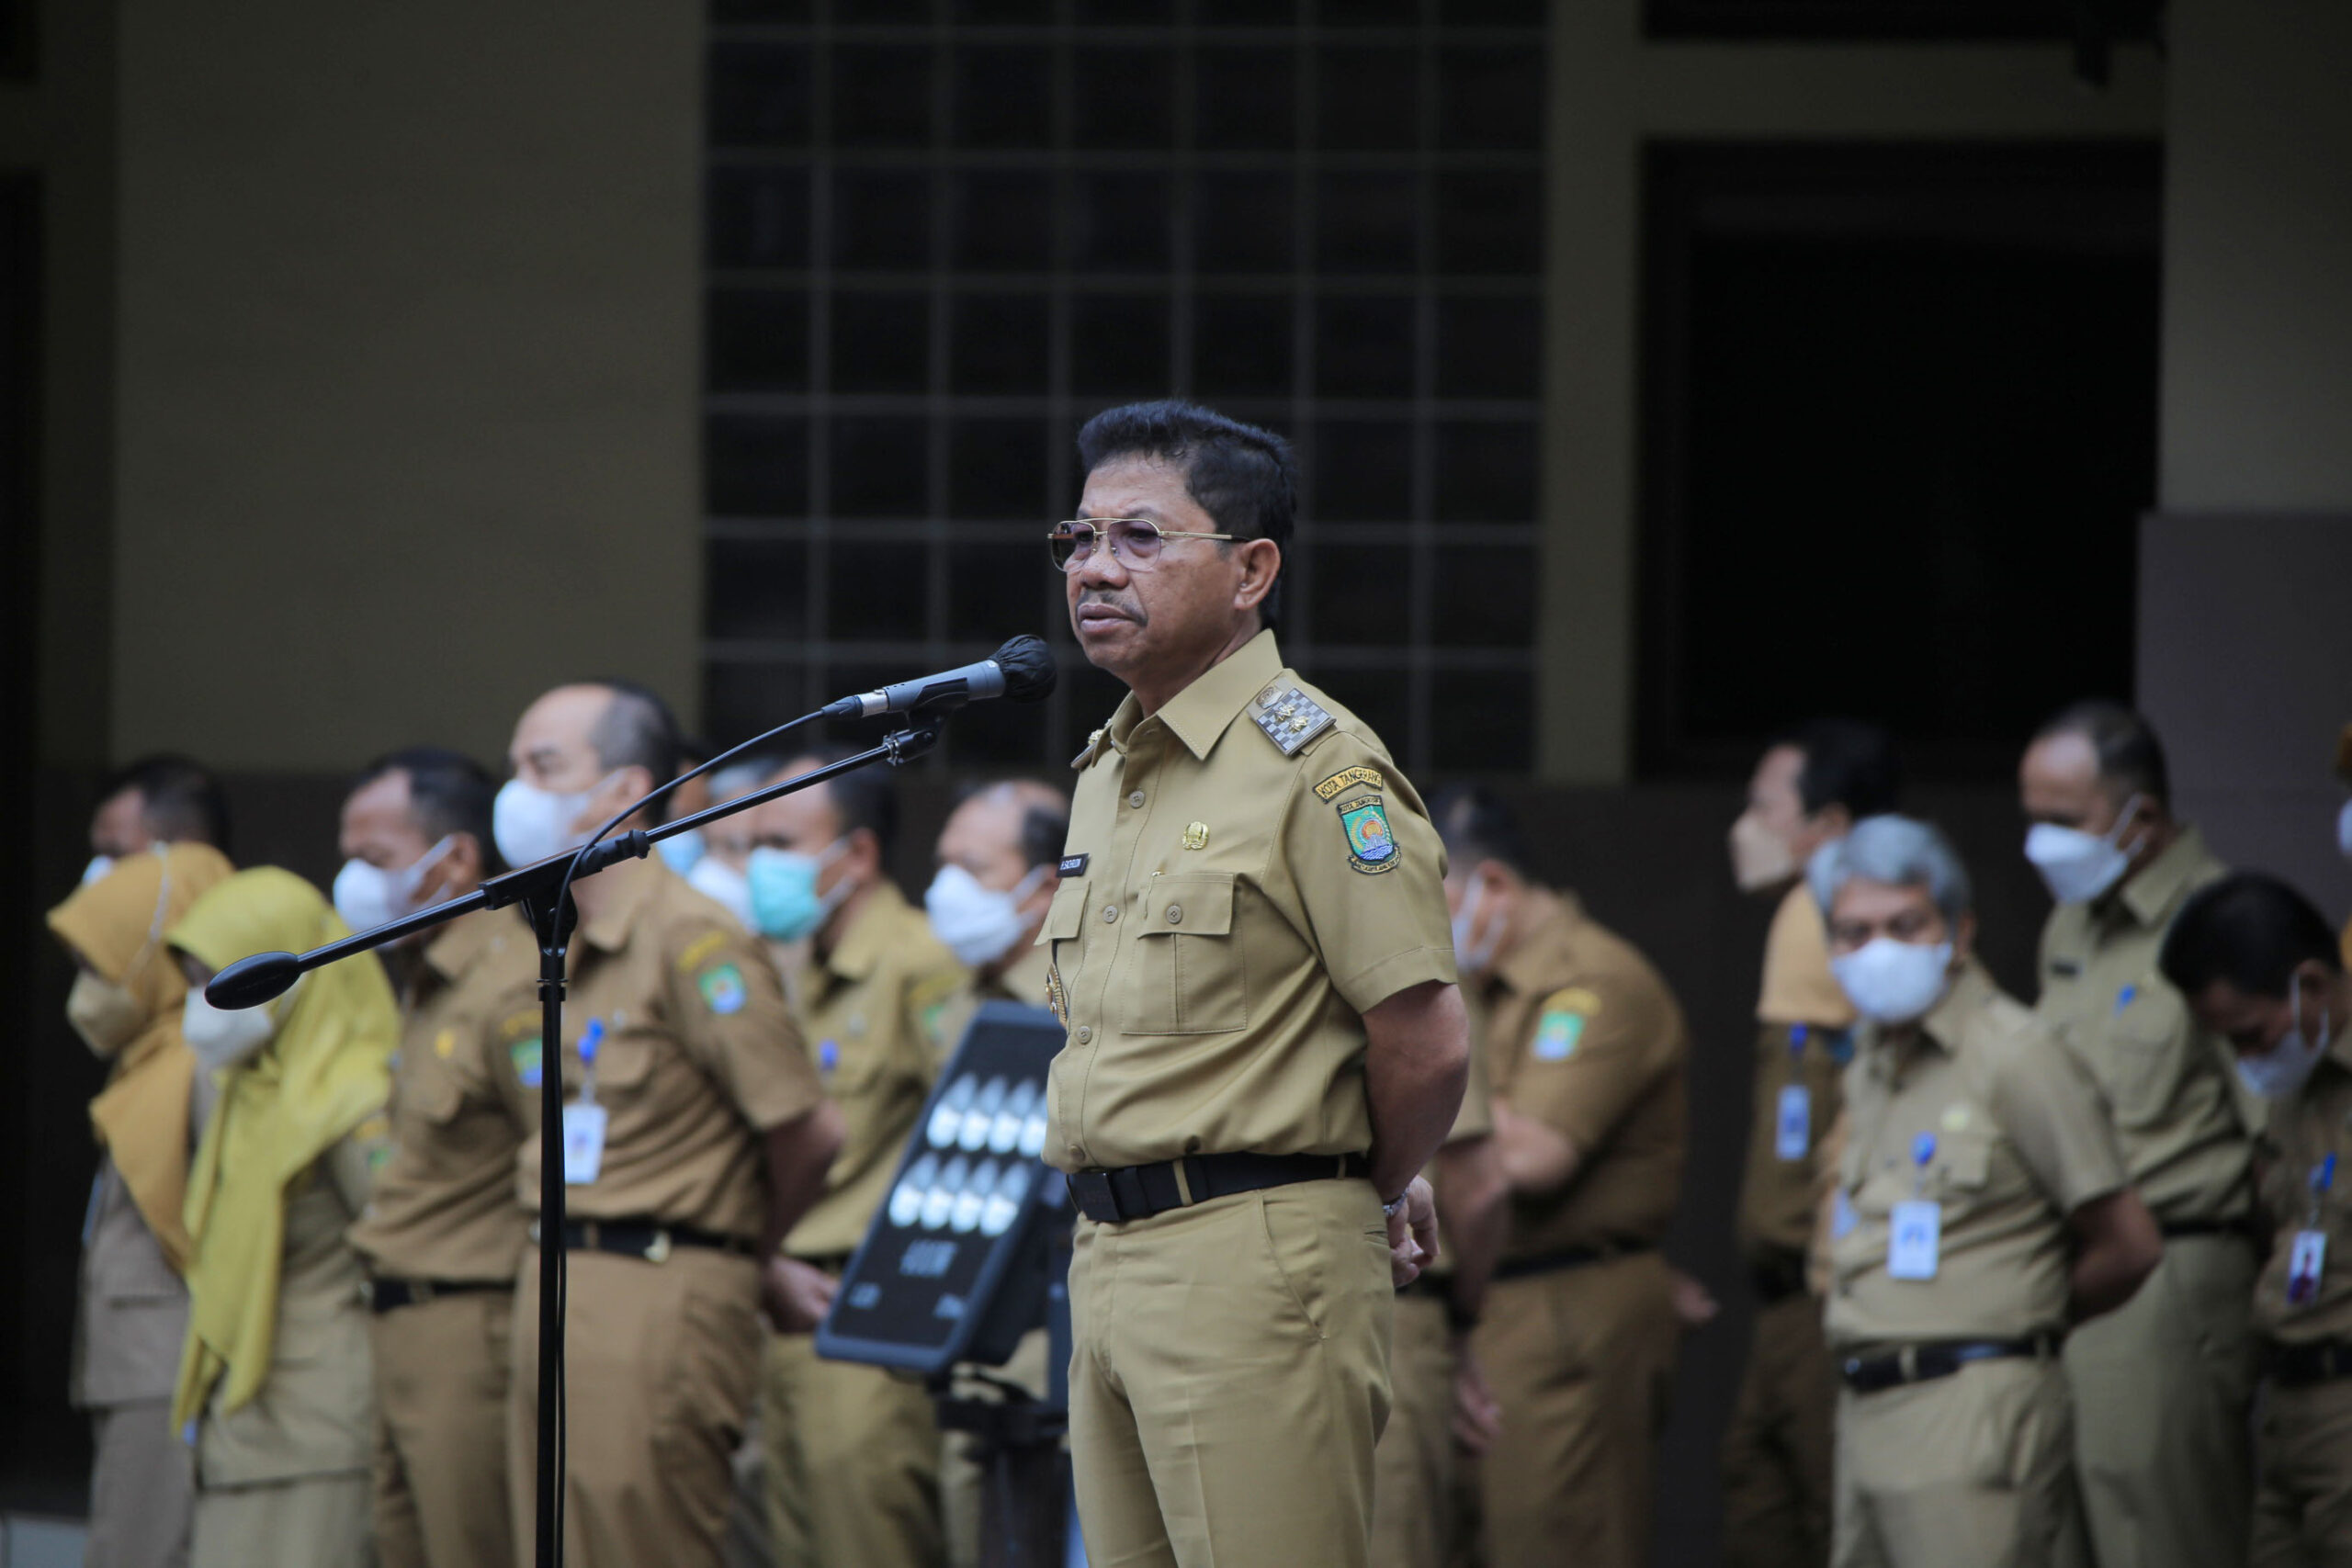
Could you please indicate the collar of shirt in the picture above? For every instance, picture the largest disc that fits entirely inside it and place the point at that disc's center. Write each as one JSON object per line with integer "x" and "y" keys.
{"x": 610, "y": 929}
{"x": 867, "y": 935}
{"x": 2151, "y": 896}
{"x": 1941, "y": 1028}
{"x": 1528, "y": 965}
{"x": 461, "y": 944}
{"x": 1203, "y": 710}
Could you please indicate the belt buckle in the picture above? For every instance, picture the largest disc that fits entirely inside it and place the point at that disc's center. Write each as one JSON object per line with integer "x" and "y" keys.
{"x": 420, "y": 1292}
{"x": 658, "y": 1249}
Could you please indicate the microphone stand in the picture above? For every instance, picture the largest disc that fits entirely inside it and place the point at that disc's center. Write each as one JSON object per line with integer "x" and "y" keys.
{"x": 544, "y": 891}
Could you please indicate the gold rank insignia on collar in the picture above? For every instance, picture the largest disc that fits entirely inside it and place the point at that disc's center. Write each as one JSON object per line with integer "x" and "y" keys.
{"x": 1086, "y": 753}
{"x": 1290, "y": 717}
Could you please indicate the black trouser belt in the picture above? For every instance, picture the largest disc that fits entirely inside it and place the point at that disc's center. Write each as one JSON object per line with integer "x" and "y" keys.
{"x": 1139, "y": 1191}
{"x": 390, "y": 1295}
{"x": 2239, "y": 1229}
{"x": 2299, "y": 1366}
{"x": 1566, "y": 1258}
{"x": 1778, "y": 1277}
{"x": 1922, "y": 1363}
{"x": 652, "y": 1240}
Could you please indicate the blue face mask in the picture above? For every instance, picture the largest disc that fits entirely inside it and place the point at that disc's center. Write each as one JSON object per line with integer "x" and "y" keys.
{"x": 684, "y": 851}
{"x": 786, "y": 906}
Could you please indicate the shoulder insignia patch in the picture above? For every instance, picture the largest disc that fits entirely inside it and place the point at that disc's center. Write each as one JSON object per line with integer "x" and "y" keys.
{"x": 1372, "y": 844}
{"x": 702, "y": 947}
{"x": 1557, "y": 1034}
{"x": 1289, "y": 717}
{"x": 722, "y": 989}
{"x": 1368, "y": 777}
{"x": 1573, "y": 998}
{"x": 1086, "y": 753}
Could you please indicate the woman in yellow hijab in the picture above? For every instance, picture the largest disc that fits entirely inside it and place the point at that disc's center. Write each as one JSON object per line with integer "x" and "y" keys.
{"x": 132, "y": 1314}
{"x": 275, "y": 1383}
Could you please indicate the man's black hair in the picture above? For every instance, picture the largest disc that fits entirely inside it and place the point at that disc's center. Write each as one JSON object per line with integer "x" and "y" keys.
{"x": 2249, "y": 928}
{"x": 1476, "y": 825}
{"x": 1244, "y": 477}
{"x": 1043, "y": 831}
{"x": 449, "y": 792}
{"x": 1847, "y": 763}
{"x": 181, "y": 800}
{"x": 865, "y": 797}
{"x": 2131, "y": 757}
{"x": 635, "y": 729}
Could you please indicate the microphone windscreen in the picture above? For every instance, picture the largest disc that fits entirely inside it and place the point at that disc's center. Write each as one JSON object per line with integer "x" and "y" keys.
{"x": 1029, "y": 668}
{"x": 249, "y": 982}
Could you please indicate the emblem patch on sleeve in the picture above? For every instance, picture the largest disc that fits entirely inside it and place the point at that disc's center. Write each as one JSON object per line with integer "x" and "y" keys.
{"x": 1372, "y": 844}
{"x": 722, "y": 989}
{"x": 1556, "y": 1035}
{"x": 1368, "y": 777}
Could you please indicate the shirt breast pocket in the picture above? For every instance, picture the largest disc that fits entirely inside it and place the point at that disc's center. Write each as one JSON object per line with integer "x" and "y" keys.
{"x": 624, "y": 1066}
{"x": 1185, "y": 971}
{"x": 1964, "y": 1162}
{"x": 2144, "y": 1054}
{"x": 428, "y": 1092}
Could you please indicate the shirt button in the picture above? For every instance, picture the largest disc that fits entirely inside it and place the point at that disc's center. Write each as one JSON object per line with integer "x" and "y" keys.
{"x": 1175, "y": 914}
{"x": 1110, "y": 912}
{"x": 1134, "y": 798}
{"x": 1085, "y": 1033}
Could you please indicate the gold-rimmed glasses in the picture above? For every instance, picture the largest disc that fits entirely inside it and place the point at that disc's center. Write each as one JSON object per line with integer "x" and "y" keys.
{"x": 1134, "y": 542}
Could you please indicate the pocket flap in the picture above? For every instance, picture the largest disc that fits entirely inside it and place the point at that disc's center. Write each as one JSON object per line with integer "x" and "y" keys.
{"x": 1966, "y": 1159}
{"x": 624, "y": 1061}
{"x": 1194, "y": 903}
{"x": 1066, "y": 914}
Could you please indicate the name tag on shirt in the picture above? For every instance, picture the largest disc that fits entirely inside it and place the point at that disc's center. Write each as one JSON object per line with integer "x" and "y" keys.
{"x": 584, "y": 1143}
{"x": 1914, "y": 1240}
{"x": 2305, "y": 1263}
{"x": 1793, "y": 1129}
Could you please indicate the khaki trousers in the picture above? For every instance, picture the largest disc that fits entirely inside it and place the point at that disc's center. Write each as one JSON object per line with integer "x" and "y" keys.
{"x": 1778, "y": 1452}
{"x": 442, "y": 1368}
{"x": 310, "y": 1523}
{"x": 1415, "y": 1522}
{"x": 1970, "y": 1471}
{"x": 853, "y": 1467}
{"x": 2302, "y": 1515}
{"x": 962, "y": 1480}
{"x": 143, "y": 1488}
{"x": 2162, "y": 1387}
{"x": 661, "y": 1362}
{"x": 1582, "y": 1362}
{"x": 1229, "y": 1379}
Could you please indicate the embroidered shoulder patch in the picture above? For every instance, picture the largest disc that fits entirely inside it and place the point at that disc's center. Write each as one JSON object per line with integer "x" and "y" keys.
{"x": 722, "y": 989}
{"x": 1368, "y": 777}
{"x": 1290, "y": 717}
{"x": 1556, "y": 1035}
{"x": 524, "y": 1053}
{"x": 702, "y": 947}
{"x": 1372, "y": 844}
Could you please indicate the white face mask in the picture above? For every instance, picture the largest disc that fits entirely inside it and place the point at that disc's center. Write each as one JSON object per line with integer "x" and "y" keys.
{"x": 101, "y": 864}
{"x": 2343, "y": 831}
{"x": 222, "y": 1037}
{"x": 724, "y": 885}
{"x": 683, "y": 852}
{"x": 368, "y": 896}
{"x": 2282, "y": 1070}
{"x": 1760, "y": 857}
{"x": 976, "y": 923}
{"x": 533, "y": 824}
{"x": 1894, "y": 982}
{"x": 1469, "y": 959}
{"x": 2077, "y": 866}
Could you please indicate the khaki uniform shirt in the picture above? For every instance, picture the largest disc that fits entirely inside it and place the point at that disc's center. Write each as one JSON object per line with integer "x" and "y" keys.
{"x": 871, "y": 1013}
{"x": 1584, "y": 1036}
{"x": 2016, "y": 1141}
{"x": 133, "y": 1310}
{"x": 444, "y": 1207}
{"x": 1803, "y": 1040}
{"x": 699, "y": 1059}
{"x": 1024, "y": 981}
{"x": 2167, "y": 1082}
{"x": 2304, "y": 1131}
{"x": 1227, "y": 913}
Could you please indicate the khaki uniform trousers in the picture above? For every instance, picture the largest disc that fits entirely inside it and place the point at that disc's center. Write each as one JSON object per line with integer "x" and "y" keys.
{"x": 1970, "y": 1471}
{"x": 1229, "y": 1379}
{"x": 853, "y": 1456}
{"x": 1416, "y": 1522}
{"x": 1778, "y": 1451}
{"x": 1581, "y": 1361}
{"x": 2302, "y": 1515}
{"x": 962, "y": 1483}
{"x": 143, "y": 1488}
{"x": 441, "y": 1374}
{"x": 2162, "y": 1388}
{"x": 661, "y": 1364}
{"x": 284, "y": 1524}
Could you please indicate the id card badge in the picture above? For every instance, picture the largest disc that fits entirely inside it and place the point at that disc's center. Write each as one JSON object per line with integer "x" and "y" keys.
{"x": 1914, "y": 1239}
{"x": 2306, "y": 1261}
{"x": 1792, "y": 1128}
{"x": 583, "y": 1141}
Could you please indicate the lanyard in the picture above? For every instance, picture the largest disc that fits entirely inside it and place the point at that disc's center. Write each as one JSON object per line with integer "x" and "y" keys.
{"x": 1923, "y": 1149}
{"x": 2323, "y": 1178}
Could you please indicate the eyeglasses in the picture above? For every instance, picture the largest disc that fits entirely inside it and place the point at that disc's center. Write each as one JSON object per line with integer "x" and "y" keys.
{"x": 1134, "y": 541}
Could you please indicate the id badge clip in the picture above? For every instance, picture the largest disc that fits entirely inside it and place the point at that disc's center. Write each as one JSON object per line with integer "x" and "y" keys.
{"x": 583, "y": 1119}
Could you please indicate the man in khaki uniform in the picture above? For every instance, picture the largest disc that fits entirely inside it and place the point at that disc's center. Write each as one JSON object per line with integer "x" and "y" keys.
{"x": 705, "y": 1089}
{"x": 2163, "y": 1386}
{"x": 2260, "y": 968}
{"x": 1585, "y": 1049}
{"x": 1250, "y": 953}
{"x": 1807, "y": 791}
{"x": 442, "y": 1231}
{"x": 853, "y": 1450}
{"x": 1978, "y": 1157}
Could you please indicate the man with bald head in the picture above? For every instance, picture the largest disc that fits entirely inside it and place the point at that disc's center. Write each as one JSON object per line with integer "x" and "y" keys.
{"x": 707, "y": 1139}
{"x": 2161, "y": 1386}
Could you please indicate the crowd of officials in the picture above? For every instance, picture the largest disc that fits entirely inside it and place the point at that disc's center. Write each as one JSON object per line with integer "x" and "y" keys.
{"x": 2025, "y": 1268}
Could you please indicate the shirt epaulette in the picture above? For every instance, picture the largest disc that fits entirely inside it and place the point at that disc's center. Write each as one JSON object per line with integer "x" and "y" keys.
{"x": 1289, "y": 717}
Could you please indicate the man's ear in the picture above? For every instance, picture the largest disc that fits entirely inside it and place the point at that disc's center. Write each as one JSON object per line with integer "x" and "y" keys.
{"x": 1964, "y": 939}
{"x": 862, "y": 852}
{"x": 1835, "y": 820}
{"x": 461, "y": 867}
{"x": 1261, "y": 563}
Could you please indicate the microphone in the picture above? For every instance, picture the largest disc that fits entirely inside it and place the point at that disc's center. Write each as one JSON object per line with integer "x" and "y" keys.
{"x": 1022, "y": 670}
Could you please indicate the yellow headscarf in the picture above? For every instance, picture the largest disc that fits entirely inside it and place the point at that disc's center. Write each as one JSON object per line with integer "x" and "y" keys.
{"x": 324, "y": 1072}
{"x": 115, "y": 925}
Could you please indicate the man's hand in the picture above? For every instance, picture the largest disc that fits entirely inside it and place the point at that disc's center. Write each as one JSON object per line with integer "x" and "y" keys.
{"x": 1477, "y": 1415}
{"x": 1412, "y": 1233}
{"x": 1692, "y": 1303}
{"x": 795, "y": 1297}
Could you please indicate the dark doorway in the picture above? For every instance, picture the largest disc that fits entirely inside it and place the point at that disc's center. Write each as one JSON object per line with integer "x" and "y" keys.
{"x": 1899, "y": 427}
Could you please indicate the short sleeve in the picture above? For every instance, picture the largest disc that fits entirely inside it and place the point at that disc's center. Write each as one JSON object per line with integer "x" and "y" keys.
{"x": 1595, "y": 1052}
{"x": 732, "y": 1017}
{"x": 2051, "y": 1113}
{"x": 1370, "y": 873}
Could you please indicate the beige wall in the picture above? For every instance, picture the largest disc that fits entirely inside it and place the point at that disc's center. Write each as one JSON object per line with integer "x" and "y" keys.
{"x": 406, "y": 379}
{"x": 1611, "y": 91}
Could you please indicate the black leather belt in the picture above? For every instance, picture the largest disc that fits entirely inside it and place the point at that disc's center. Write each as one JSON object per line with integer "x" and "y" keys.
{"x": 390, "y": 1295}
{"x": 1923, "y": 1363}
{"x": 651, "y": 1240}
{"x": 1566, "y": 1258}
{"x": 1778, "y": 1277}
{"x": 2239, "y": 1230}
{"x": 2299, "y": 1366}
{"x": 1139, "y": 1191}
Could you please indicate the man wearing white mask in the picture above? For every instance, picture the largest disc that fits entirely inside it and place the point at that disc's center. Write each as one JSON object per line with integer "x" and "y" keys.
{"x": 852, "y": 1451}
{"x": 1981, "y": 1207}
{"x": 2163, "y": 1386}
{"x": 2259, "y": 967}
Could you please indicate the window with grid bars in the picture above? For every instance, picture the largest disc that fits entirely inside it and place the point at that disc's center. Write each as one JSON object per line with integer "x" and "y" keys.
{"x": 942, "y": 233}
